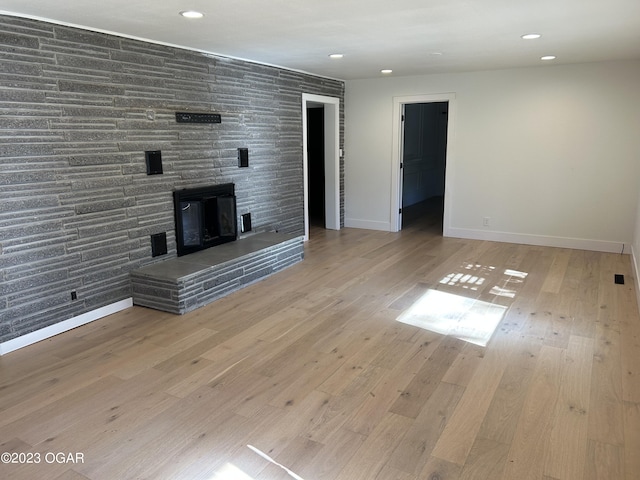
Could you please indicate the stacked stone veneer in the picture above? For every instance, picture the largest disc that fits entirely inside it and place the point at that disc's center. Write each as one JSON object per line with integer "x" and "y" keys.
{"x": 180, "y": 285}
{"x": 78, "y": 110}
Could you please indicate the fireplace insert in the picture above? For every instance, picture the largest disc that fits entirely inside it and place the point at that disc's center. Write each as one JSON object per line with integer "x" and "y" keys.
{"x": 205, "y": 217}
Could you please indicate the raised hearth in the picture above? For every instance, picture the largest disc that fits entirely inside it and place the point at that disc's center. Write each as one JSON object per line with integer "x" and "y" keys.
{"x": 179, "y": 285}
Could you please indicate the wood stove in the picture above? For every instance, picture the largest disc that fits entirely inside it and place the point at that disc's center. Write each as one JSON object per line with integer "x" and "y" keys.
{"x": 205, "y": 217}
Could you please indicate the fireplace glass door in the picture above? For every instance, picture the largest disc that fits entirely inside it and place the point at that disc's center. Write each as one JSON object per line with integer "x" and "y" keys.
{"x": 191, "y": 223}
{"x": 205, "y": 217}
{"x": 227, "y": 216}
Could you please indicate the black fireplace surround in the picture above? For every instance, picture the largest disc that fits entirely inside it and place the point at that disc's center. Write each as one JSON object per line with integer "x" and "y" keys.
{"x": 205, "y": 217}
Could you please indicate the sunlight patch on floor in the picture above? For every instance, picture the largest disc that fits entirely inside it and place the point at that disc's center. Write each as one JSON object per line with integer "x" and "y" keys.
{"x": 474, "y": 276}
{"x": 230, "y": 472}
{"x": 471, "y": 320}
{"x": 512, "y": 281}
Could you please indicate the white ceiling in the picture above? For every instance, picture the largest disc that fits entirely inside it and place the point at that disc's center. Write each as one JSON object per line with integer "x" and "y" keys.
{"x": 409, "y": 36}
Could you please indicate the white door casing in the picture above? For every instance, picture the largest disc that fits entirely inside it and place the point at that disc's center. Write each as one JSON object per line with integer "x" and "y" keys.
{"x": 331, "y": 159}
{"x": 396, "y": 159}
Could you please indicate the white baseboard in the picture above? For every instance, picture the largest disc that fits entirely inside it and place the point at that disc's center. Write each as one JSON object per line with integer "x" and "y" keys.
{"x": 66, "y": 325}
{"x": 367, "y": 224}
{"x": 540, "y": 240}
{"x": 634, "y": 265}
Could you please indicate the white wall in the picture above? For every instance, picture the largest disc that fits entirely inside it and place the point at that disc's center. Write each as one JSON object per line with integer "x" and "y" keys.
{"x": 550, "y": 154}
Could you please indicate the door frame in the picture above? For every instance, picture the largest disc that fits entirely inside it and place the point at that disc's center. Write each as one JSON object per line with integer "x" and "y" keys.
{"x": 396, "y": 156}
{"x": 331, "y": 159}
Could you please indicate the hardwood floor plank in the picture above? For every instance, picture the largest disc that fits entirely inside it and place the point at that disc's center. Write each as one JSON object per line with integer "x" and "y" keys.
{"x": 465, "y": 365}
{"x": 487, "y": 460}
{"x": 199, "y": 443}
{"x": 631, "y": 439}
{"x": 111, "y": 423}
{"x": 566, "y": 455}
{"x": 374, "y": 406}
{"x": 504, "y": 412}
{"x": 372, "y": 455}
{"x": 362, "y": 349}
{"x": 440, "y": 469}
{"x": 528, "y": 448}
{"x": 460, "y": 433}
{"x": 340, "y": 407}
{"x": 339, "y": 448}
{"x": 560, "y": 322}
{"x": 606, "y": 406}
{"x": 426, "y": 381}
{"x": 414, "y": 450}
{"x": 590, "y": 302}
{"x": 53, "y": 380}
{"x": 605, "y": 461}
{"x": 149, "y": 354}
{"x": 390, "y": 473}
{"x": 302, "y": 383}
{"x": 44, "y": 422}
{"x": 557, "y": 271}
{"x": 197, "y": 455}
{"x": 298, "y": 418}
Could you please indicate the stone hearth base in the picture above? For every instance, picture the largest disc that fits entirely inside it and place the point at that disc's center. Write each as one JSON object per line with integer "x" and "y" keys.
{"x": 182, "y": 284}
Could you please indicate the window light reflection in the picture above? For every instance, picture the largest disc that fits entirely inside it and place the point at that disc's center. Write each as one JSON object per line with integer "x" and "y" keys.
{"x": 474, "y": 276}
{"x": 471, "y": 320}
{"x": 291, "y": 473}
{"x": 230, "y": 472}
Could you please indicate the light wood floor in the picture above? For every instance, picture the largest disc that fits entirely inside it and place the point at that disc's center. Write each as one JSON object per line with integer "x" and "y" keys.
{"x": 308, "y": 374}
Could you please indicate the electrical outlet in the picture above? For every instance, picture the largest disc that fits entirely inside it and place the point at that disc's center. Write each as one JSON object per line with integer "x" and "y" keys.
{"x": 245, "y": 223}
{"x": 485, "y": 221}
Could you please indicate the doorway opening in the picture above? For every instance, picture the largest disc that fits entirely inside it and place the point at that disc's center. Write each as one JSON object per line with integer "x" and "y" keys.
{"x": 315, "y": 161}
{"x": 421, "y": 152}
{"x": 325, "y": 204}
{"x": 424, "y": 151}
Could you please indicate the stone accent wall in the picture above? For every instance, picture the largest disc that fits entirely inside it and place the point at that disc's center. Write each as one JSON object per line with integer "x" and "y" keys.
{"x": 78, "y": 110}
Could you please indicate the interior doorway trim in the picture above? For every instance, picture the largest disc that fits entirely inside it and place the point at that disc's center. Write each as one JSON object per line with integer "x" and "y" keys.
{"x": 331, "y": 159}
{"x": 396, "y": 159}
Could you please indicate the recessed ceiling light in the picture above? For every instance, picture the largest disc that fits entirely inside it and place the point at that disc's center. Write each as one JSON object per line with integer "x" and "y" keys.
{"x": 336, "y": 55}
{"x": 386, "y": 71}
{"x": 548, "y": 57}
{"x": 531, "y": 36}
{"x": 191, "y": 14}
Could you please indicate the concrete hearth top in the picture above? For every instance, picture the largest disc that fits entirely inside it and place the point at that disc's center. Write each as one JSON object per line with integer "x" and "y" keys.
{"x": 181, "y": 267}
